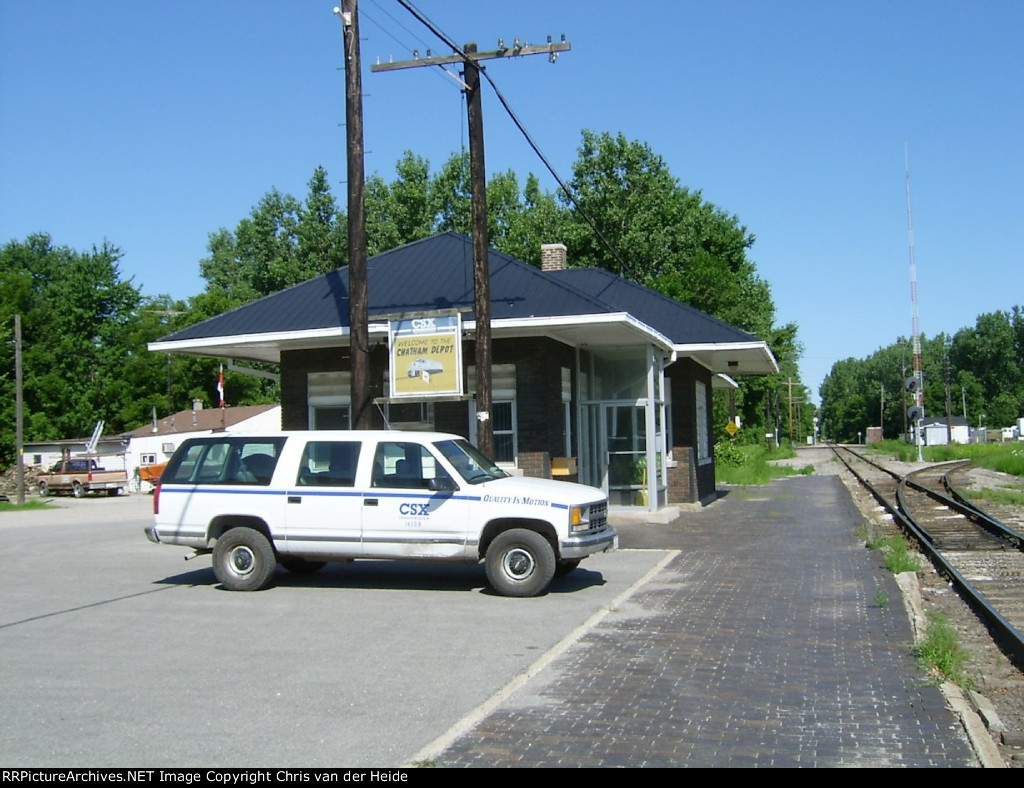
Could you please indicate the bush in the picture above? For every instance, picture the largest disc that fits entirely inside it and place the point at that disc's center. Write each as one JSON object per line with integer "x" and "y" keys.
{"x": 729, "y": 453}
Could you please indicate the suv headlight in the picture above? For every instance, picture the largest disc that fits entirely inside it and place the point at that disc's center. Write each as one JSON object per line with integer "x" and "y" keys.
{"x": 579, "y": 518}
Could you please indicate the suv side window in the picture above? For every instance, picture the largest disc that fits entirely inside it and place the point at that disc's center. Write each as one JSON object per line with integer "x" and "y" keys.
{"x": 329, "y": 463}
{"x": 249, "y": 461}
{"x": 398, "y": 464}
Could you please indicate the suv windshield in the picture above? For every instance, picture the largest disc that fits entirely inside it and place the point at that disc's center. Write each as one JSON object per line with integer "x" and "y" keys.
{"x": 469, "y": 462}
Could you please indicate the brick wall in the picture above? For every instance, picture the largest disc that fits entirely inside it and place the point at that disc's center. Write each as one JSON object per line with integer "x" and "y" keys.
{"x": 682, "y": 377}
{"x": 682, "y": 479}
{"x": 539, "y": 363}
{"x": 536, "y": 464}
{"x": 295, "y": 366}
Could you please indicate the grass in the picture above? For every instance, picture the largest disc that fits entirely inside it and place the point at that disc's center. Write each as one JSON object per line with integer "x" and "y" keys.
{"x": 1000, "y": 496}
{"x": 896, "y": 555}
{"x": 897, "y": 450}
{"x": 1002, "y": 457}
{"x": 751, "y": 465}
{"x": 940, "y": 653}
{"x": 25, "y": 507}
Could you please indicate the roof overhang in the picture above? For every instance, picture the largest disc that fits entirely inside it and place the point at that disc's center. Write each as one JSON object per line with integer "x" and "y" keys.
{"x": 732, "y": 358}
{"x": 618, "y": 329}
{"x": 255, "y": 347}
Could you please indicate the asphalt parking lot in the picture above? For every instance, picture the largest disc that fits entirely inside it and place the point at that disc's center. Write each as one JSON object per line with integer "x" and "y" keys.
{"x": 118, "y": 652}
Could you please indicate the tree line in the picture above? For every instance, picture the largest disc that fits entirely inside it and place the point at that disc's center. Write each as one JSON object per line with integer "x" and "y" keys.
{"x": 85, "y": 327}
{"x": 976, "y": 374}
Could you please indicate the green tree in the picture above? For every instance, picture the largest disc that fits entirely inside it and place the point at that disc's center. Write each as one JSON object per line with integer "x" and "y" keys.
{"x": 451, "y": 196}
{"x": 992, "y": 351}
{"x": 281, "y": 243}
{"x": 399, "y": 212}
{"x": 625, "y": 195}
{"x": 78, "y": 336}
{"x": 667, "y": 237}
{"x": 540, "y": 220}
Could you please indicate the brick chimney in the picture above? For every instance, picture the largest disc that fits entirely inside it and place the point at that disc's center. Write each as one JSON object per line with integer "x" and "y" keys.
{"x": 553, "y": 257}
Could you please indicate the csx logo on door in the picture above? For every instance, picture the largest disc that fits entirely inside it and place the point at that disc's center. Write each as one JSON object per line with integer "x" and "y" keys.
{"x": 415, "y": 509}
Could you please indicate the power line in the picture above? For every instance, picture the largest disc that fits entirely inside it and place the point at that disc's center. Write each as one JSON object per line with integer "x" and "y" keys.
{"x": 515, "y": 120}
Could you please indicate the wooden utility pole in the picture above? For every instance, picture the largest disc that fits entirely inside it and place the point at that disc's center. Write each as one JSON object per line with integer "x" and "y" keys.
{"x": 19, "y": 417}
{"x": 359, "y": 335}
{"x": 791, "y": 411}
{"x": 481, "y": 267}
{"x": 470, "y": 58}
{"x": 949, "y": 401}
{"x": 881, "y": 411}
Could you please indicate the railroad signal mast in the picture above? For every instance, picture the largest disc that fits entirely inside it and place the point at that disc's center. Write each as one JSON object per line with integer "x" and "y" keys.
{"x": 915, "y": 385}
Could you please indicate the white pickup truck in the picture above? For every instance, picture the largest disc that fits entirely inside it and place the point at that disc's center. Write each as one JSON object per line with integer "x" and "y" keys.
{"x": 302, "y": 499}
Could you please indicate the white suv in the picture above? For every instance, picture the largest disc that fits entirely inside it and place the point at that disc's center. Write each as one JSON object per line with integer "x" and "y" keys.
{"x": 302, "y": 499}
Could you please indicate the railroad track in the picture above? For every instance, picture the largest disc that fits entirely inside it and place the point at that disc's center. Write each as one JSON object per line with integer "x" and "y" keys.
{"x": 982, "y": 557}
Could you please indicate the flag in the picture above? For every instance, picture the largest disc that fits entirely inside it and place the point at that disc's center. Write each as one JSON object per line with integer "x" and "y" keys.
{"x": 220, "y": 385}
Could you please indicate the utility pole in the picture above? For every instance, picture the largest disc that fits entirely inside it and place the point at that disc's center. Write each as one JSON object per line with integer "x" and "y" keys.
{"x": 881, "y": 412}
{"x": 19, "y": 407}
{"x": 949, "y": 401}
{"x": 359, "y": 334}
{"x": 470, "y": 59}
{"x": 481, "y": 267}
{"x": 791, "y": 411}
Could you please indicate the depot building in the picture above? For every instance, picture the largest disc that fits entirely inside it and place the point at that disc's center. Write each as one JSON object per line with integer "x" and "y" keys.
{"x": 594, "y": 379}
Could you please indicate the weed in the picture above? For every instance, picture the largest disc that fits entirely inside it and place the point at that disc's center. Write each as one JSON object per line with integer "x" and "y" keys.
{"x": 868, "y": 535}
{"x": 897, "y": 556}
{"x": 750, "y": 465}
{"x": 881, "y": 598}
{"x": 940, "y": 653}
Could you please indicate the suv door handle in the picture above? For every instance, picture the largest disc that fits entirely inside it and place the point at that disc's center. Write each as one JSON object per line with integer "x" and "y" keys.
{"x": 370, "y": 501}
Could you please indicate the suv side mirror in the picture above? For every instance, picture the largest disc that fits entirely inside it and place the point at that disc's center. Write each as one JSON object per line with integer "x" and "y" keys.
{"x": 442, "y": 484}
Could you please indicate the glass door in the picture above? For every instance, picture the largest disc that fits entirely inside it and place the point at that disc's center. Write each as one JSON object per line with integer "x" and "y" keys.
{"x": 625, "y": 437}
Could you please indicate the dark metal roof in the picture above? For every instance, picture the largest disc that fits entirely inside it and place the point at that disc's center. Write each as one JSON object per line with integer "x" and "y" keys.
{"x": 432, "y": 274}
{"x": 682, "y": 324}
{"x": 578, "y": 307}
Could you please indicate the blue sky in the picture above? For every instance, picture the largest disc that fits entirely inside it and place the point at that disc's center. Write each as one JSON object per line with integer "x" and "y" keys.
{"x": 151, "y": 126}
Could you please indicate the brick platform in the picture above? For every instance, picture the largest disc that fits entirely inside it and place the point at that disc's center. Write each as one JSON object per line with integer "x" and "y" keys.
{"x": 763, "y": 643}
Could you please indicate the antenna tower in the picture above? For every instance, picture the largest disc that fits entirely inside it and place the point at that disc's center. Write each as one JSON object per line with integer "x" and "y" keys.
{"x": 917, "y": 387}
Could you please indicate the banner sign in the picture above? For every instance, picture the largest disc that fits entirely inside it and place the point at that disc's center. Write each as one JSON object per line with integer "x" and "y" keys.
{"x": 426, "y": 356}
